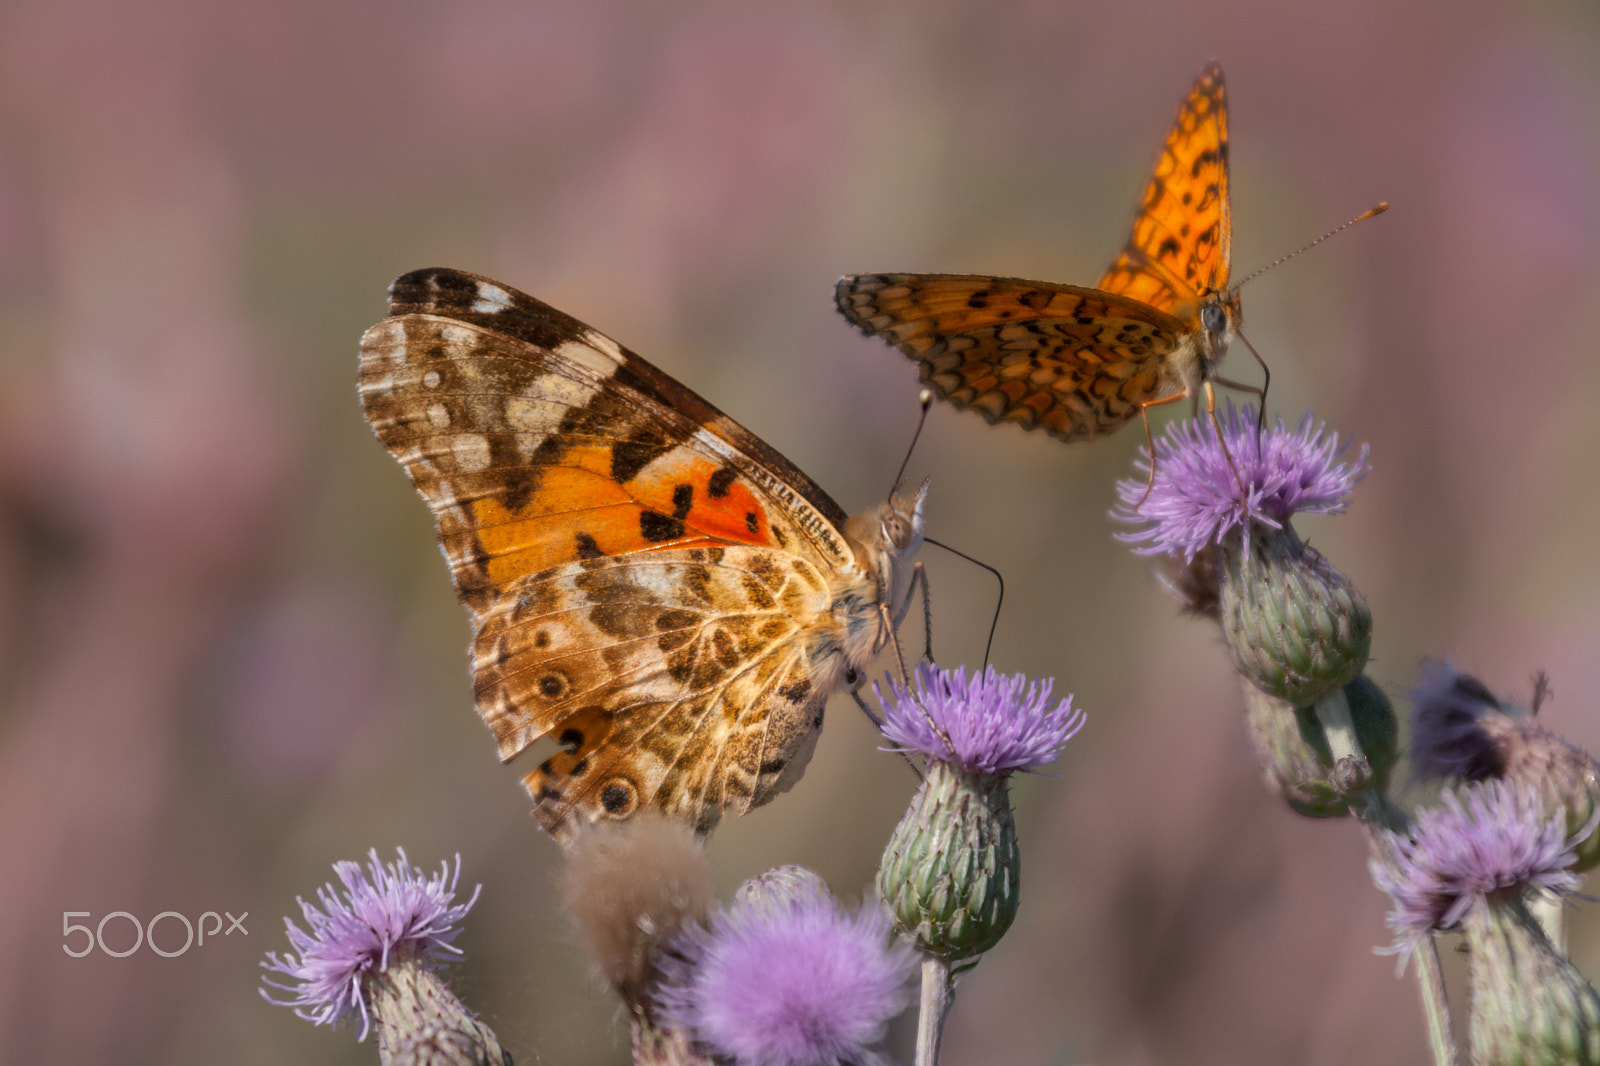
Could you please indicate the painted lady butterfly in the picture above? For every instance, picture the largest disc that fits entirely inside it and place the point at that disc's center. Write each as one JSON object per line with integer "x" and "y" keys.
{"x": 649, "y": 583}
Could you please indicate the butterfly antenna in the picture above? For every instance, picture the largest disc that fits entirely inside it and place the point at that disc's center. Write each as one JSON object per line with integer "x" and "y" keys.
{"x": 1370, "y": 212}
{"x": 1000, "y": 599}
{"x": 1541, "y": 691}
{"x": 926, "y": 399}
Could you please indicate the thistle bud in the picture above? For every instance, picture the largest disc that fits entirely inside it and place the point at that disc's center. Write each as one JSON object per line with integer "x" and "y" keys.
{"x": 1296, "y": 760}
{"x": 1297, "y": 627}
{"x": 949, "y": 874}
{"x": 1529, "y": 1003}
{"x": 951, "y": 869}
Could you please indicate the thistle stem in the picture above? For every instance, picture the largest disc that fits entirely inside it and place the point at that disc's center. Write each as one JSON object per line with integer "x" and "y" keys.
{"x": 1333, "y": 711}
{"x": 936, "y": 988}
{"x": 1430, "y": 979}
{"x": 1549, "y": 911}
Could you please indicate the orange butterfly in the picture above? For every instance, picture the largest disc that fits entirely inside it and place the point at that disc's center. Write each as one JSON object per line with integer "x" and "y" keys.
{"x": 1080, "y": 362}
{"x": 649, "y": 583}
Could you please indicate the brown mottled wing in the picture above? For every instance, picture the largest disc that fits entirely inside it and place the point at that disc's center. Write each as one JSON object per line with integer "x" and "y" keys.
{"x": 641, "y": 571}
{"x": 1075, "y": 362}
{"x": 682, "y": 681}
{"x": 1181, "y": 242}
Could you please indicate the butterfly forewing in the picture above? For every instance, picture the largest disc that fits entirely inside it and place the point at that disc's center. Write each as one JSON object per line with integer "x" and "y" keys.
{"x": 651, "y": 585}
{"x": 1180, "y": 245}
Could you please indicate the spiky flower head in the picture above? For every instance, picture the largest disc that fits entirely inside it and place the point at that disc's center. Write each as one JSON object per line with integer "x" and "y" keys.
{"x": 1195, "y": 498}
{"x": 1484, "y": 840}
{"x": 951, "y": 869}
{"x": 988, "y": 723}
{"x": 388, "y": 915}
{"x": 1297, "y": 628}
{"x": 1471, "y": 863}
{"x": 783, "y": 976}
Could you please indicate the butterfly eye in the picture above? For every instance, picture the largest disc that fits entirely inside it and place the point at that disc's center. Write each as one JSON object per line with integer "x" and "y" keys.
{"x": 1213, "y": 319}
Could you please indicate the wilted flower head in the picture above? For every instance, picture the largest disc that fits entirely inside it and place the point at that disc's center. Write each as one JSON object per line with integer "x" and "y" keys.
{"x": 1195, "y": 498}
{"x": 991, "y": 723}
{"x": 628, "y": 886}
{"x": 787, "y": 979}
{"x": 386, "y": 910}
{"x": 1487, "y": 838}
{"x": 1448, "y": 738}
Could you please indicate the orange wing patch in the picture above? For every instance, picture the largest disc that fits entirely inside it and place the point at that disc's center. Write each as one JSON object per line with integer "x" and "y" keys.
{"x": 581, "y": 511}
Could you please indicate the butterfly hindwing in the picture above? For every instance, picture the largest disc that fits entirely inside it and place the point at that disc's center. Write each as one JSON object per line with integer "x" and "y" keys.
{"x": 1073, "y": 361}
{"x": 681, "y": 680}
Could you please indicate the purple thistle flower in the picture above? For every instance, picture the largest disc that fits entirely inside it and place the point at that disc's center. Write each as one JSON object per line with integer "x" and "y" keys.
{"x": 990, "y": 723}
{"x": 1195, "y": 499}
{"x": 1488, "y": 837}
{"x": 384, "y": 910}
{"x": 790, "y": 980}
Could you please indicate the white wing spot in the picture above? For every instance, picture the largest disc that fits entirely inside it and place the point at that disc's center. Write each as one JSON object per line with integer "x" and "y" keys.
{"x": 439, "y": 415}
{"x": 492, "y": 299}
{"x": 594, "y": 353}
{"x": 527, "y": 415}
{"x": 471, "y": 451}
{"x": 431, "y": 379}
{"x": 560, "y": 390}
{"x": 603, "y": 343}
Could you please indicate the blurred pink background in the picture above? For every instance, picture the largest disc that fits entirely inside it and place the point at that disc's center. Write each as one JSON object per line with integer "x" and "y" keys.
{"x": 230, "y": 654}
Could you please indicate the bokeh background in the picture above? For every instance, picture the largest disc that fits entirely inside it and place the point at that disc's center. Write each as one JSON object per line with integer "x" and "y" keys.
{"x": 229, "y": 651}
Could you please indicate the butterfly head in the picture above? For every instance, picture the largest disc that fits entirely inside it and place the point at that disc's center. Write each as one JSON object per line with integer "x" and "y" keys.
{"x": 887, "y": 538}
{"x": 1220, "y": 319}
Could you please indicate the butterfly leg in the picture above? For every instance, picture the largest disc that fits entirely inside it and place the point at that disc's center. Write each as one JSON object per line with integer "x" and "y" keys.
{"x": 887, "y": 619}
{"x": 1261, "y": 402}
{"x": 855, "y": 694}
{"x": 877, "y": 722}
{"x": 1150, "y": 440}
{"x": 919, "y": 578}
{"x": 905, "y": 676}
{"x": 1211, "y": 410}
